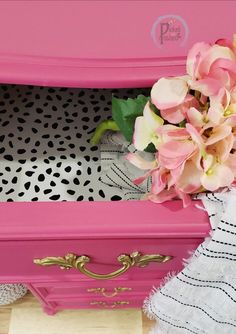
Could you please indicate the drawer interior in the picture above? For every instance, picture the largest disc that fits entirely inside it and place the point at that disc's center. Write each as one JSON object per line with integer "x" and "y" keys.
{"x": 45, "y": 153}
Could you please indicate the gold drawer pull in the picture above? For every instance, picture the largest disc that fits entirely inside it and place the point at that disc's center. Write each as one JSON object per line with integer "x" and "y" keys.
{"x": 119, "y": 303}
{"x": 113, "y": 305}
{"x": 103, "y": 291}
{"x": 99, "y": 303}
{"x": 79, "y": 262}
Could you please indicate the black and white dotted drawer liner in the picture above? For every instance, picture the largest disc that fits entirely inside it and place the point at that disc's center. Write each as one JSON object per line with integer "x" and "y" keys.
{"x": 45, "y": 152}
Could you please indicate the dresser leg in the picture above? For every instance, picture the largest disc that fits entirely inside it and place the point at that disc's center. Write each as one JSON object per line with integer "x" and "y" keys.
{"x": 49, "y": 310}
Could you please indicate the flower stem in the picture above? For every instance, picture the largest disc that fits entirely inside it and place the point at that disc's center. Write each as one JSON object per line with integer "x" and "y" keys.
{"x": 101, "y": 129}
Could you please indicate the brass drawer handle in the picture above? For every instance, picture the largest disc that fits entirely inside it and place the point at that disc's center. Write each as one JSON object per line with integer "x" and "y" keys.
{"x": 113, "y": 305}
{"x": 103, "y": 291}
{"x": 79, "y": 262}
{"x": 119, "y": 303}
{"x": 99, "y": 303}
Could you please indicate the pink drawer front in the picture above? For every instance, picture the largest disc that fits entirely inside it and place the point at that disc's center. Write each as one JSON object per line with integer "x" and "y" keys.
{"x": 56, "y": 296}
{"x": 124, "y": 302}
{"x": 57, "y": 52}
{"x": 18, "y": 257}
{"x": 93, "y": 289}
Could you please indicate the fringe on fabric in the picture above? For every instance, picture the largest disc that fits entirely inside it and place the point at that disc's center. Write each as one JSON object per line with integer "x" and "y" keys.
{"x": 202, "y": 298}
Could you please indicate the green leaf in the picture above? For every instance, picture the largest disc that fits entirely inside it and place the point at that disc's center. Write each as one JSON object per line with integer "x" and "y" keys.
{"x": 151, "y": 148}
{"x": 124, "y": 113}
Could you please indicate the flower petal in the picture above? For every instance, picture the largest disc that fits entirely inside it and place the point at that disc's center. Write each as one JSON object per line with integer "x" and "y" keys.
{"x": 175, "y": 174}
{"x": 225, "y": 42}
{"x": 195, "y": 117}
{"x": 142, "y": 134}
{"x": 215, "y": 114}
{"x": 218, "y": 176}
{"x": 142, "y": 178}
{"x": 225, "y": 146}
{"x": 231, "y": 163}
{"x": 221, "y": 75}
{"x": 169, "y": 92}
{"x": 208, "y": 161}
{"x": 231, "y": 109}
{"x": 231, "y": 121}
{"x": 218, "y": 104}
{"x": 185, "y": 197}
{"x": 222, "y": 148}
{"x": 218, "y": 133}
{"x": 173, "y": 115}
{"x": 153, "y": 120}
{"x": 171, "y": 132}
{"x": 178, "y": 133}
{"x": 173, "y": 153}
{"x": 145, "y": 128}
{"x": 195, "y": 135}
{"x": 159, "y": 180}
{"x": 207, "y": 86}
{"x": 197, "y": 159}
{"x": 189, "y": 180}
{"x": 216, "y": 52}
{"x": 177, "y": 114}
{"x": 203, "y": 99}
{"x": 139, "y": 162}
{"x": 165, "y": 195}
{"x": 175, "y": 149}
{"x": 225, "y": 98}
{"x": 233, "y": 95}
{"x": 194, "y": 57}
{"x": 226, "y": 64}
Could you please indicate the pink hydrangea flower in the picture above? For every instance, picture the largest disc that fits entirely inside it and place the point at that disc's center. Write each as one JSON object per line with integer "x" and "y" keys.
{"x": 195, "y": 132}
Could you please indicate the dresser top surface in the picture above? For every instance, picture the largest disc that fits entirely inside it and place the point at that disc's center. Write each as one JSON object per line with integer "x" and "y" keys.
{"x": 122, "y": 219}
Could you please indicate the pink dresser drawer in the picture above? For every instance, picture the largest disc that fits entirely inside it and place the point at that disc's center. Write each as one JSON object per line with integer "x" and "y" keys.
{"x": 100, "y": 230}
{"x": 93, "y": 289}
{"x": 131, "y": 302}
{"x": 55, "y": 296}
{"x": 75, "y": 295}
{"x": 103, "y": 255}
{"x": 57, "y": 52}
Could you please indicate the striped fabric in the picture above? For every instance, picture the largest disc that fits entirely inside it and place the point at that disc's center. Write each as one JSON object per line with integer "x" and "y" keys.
{"x": 117, "y": 171}
{"x": 202, "y": 298}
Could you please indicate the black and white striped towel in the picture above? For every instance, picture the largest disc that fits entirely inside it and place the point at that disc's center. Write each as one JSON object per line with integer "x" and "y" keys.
{"x": 202, "y": 298}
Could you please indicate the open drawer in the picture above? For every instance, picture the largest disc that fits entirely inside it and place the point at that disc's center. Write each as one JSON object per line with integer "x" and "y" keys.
{"x": 52, "y": 199}
{"x": 44, "y": 141}
{"x": 53, "y": 202}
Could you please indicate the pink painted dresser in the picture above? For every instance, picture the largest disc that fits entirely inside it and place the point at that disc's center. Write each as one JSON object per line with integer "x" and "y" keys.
{"x": 74, "y": 244}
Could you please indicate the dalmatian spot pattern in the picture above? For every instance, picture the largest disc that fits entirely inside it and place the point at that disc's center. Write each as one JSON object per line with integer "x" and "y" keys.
{"x": 45, "y": 154}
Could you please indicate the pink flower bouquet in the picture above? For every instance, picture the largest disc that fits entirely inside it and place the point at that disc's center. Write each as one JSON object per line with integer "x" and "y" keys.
{"x": 189, "y": 123}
